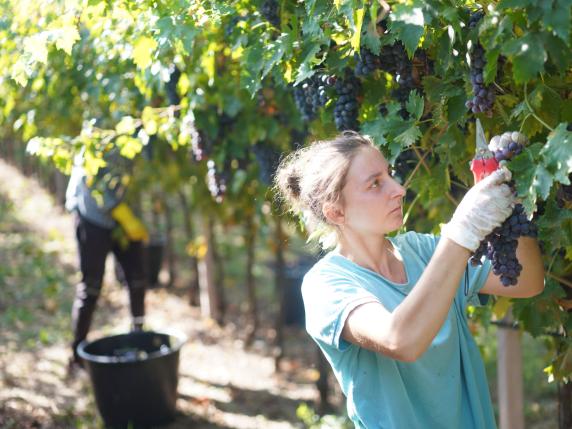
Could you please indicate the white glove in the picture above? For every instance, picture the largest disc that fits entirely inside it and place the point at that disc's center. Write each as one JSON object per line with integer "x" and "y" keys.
{"x": 484, "y": 207}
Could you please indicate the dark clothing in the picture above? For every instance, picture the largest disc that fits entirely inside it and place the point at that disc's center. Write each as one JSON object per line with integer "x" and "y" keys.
{"x": 94, "y": 244}
{"x": 106, "y": 190}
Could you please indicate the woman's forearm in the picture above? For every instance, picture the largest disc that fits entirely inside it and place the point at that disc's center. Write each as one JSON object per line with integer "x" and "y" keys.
{"x": 531, "y": 278}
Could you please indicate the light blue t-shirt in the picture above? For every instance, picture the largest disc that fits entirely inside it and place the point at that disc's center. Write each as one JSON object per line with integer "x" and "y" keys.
{"x": 445, "y": 388}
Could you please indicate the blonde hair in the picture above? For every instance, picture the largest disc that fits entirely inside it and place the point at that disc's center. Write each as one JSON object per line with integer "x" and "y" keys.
{"x": 315, "y": 175}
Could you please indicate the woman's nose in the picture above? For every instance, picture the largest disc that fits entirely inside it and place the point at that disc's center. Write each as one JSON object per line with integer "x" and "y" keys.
{"x": 399, "y": 190}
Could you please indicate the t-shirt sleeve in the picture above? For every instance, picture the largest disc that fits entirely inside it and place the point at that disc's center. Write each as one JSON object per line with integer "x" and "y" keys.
{"x": 477, "y": 277}
{"x": 329, "y": 298}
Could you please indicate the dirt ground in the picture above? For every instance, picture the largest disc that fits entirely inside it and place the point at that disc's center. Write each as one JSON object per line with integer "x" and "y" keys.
{"x": 221, "y": 385}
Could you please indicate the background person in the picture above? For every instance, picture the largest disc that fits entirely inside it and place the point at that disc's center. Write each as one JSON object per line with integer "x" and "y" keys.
{"x": 99, "y": 205}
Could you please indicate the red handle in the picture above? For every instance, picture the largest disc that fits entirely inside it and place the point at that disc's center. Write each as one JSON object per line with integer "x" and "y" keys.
{"x": 482, "y": 167}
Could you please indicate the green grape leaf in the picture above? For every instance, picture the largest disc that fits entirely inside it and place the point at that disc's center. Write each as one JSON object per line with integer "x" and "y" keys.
{"x": 558, "y": 51}
{"x": 408, "y": 137}
{"x": 143, "y": 50}
{"x": 528, "y": 56}
{"x": 542, "y": 181}
{"x": 415, "y": 105}
{"x": 66, "y": 38}
{"x": 126, "y": 125}
{"x": 310, "y": 60}
{"x": 508, "y": 4}
{"x": 276, "y": 49}
{"x": 129, "y": 146}
{"x": 36, "y": 46}
{"x": 557, "y": 153}
{"x": 355, "y": 41}
{"x": 523, "y": 168}
{"x": 557, "y": 17}
{"x": 407, "y": 21}
{"x": 375, "y": 129}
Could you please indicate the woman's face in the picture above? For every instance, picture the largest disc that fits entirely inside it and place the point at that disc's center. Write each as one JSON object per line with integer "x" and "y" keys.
{"x": 372, "y": 198}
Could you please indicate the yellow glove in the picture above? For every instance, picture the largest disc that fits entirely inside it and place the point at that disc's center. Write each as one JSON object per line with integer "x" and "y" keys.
{"x": 132, "y": 226}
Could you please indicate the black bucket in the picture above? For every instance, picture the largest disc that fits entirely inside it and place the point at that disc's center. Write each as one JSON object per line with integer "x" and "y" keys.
{"x": 134, "y": 377}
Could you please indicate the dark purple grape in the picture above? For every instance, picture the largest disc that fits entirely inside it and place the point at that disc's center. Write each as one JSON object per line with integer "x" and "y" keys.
{"x": 310, "y": 95}
{"x": 501, "y": 244}
{"x": 270, "y": 10}
{"x": 346, "y": 108}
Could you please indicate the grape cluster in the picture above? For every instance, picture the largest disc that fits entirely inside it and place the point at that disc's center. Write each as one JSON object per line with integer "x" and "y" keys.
{"x": 215, "y": 182}
{"x": 500, "y": 246}
{"x": 394, "y": 59}
{"x": 268, "y": 159}
{"x": 346, "y": 109}
{"x": 475, "y": 17}
{"x": 507, "y": 145}
{"x": 311, "y": 94}
{"x": 171, "y": 85}
{"x": 484, "y": 96}
{"x": 270, "y": 10}
{"x": 190, "y": 132}
{"x": 366, "y": 62}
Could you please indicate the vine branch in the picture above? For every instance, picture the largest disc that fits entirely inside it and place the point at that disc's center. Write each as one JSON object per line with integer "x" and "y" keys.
{"x": 538, "y": 118}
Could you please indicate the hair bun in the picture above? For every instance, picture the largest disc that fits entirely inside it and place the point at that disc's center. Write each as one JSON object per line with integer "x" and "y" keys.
{"x": 294, "y": 185}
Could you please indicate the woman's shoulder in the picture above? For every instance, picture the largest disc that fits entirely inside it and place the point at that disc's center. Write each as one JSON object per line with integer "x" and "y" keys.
{"x": 416, "y": 241}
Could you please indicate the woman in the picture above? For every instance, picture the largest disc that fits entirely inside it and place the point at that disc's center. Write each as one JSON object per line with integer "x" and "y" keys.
{"x": 389, "y": 313}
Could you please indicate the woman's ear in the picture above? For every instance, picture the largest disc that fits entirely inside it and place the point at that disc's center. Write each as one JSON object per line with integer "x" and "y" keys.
{"x": 333, "y": 213}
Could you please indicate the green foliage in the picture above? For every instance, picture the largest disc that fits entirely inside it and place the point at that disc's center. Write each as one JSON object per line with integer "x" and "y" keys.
{"x": 312, "y": 420}
{"x": 95, "y": 74}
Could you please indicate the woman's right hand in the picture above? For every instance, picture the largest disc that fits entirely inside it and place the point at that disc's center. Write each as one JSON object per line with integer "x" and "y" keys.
{"x": 484, "y": 207}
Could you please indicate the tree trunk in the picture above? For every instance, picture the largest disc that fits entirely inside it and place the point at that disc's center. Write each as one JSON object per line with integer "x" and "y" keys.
{"x": 250, "y": 233}
{"x": 208, "y": 292}
{"x": 170, "y": 245}
{"x": 60, "y": 182}
{"x": 565, "y": 405}
{"x": 218, "y": 276}
{"x": 279, "y": 273}
{"x": 188, "y": 225}
{"x": 510, "y": 388}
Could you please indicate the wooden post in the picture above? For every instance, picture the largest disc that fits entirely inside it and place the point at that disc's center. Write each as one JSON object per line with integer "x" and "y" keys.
{"x": 509, "y": 377}
{"x": 564, "y": 405}
{"x": 250, "y": 234}
{"x": 279, "y": 273}
{"x": 208, "y": 290}
{"x": 189, "y": 230}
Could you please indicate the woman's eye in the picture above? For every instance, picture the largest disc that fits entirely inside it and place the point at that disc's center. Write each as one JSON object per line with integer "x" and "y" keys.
{"x": 375, "y": 183}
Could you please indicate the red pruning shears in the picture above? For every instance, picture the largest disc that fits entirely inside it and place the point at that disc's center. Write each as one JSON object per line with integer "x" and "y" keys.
{"x": 484, "y": 162}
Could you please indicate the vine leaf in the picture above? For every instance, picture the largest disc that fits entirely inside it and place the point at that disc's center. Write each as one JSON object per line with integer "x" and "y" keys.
{"x": 143, "y": 50}
{"x": 528, "y": 56}
{"x": 358, "y": 21}
{"x": 557, "y": 16}
{"x": 408, "y": 24}
{"x": 557, "y": 153}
